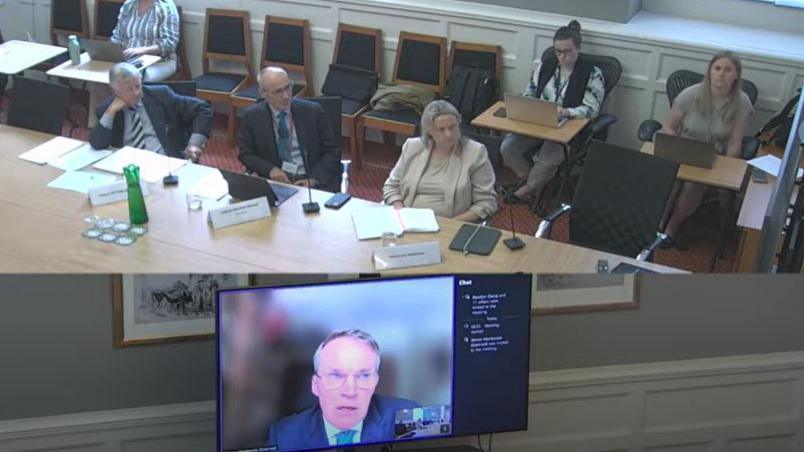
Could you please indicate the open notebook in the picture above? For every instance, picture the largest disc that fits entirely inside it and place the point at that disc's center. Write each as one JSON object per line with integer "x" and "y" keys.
{"x": 372, "y": 222}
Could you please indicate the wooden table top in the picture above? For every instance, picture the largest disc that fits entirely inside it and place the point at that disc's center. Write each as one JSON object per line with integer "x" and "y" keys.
{"x": 17, "y": 56}
{"x": 95, "y": 71}
{"x": 727, "y": 172}
{"x": 42, "y": 233}
{"x": 563, "y": 134}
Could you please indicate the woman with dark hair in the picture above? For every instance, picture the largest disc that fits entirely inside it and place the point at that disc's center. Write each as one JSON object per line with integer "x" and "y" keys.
{"x": 577, "y": 86}
{"x": 715, "y": 110}
{"x": 442, "y": 170}
{"x": 149, "y": 27}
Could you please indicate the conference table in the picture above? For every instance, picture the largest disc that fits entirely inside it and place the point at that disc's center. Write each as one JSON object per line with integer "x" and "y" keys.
{"x": 41, "y": 232}
{"x": 17, "y": 56}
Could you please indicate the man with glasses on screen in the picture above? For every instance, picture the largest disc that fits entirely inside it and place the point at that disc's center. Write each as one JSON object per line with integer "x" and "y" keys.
{"x": 347, "y": 366}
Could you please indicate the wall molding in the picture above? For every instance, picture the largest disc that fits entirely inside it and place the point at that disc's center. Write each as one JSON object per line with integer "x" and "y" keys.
{"x": 639, "y": 407}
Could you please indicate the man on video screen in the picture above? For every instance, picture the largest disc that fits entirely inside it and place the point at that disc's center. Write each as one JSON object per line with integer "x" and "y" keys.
{"x": 347, "y": 366}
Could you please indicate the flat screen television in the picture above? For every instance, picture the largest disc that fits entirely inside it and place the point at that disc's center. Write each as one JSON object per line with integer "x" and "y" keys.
{"x": 373, "y": 361}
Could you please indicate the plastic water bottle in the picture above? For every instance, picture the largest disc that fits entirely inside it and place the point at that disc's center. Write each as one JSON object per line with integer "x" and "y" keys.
{"x": 345, "y": 176}
{"x": 136, "y": 203}
{"x": 74, "y": 49}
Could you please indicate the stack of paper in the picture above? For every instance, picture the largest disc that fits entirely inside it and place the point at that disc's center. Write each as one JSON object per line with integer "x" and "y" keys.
{"x": 50, "y": 150}
{"x": 78, "y": 158}
{"x": 771, "y": 165}
{"x": 372, "y": 222}
{"x": 153, "y": 166}
{"x": 81, "y": 181}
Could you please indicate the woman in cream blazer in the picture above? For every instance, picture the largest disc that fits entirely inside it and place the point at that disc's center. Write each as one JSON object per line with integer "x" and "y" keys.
{"x": 442, "y": 170}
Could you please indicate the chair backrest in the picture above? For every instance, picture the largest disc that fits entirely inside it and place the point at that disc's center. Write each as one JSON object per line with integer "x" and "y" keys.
{"x": 38, "y": 105}
{"x": 68, "y": 17}
{"x": 332, "y": 107}
{"x": 286, "y": 43}
{"x": 106, "y": 13}
{"x": 492, "y": 143}
{"x": 182, "y": 64}
{"x": 481, "y": 56}
{"x": 610, "y": 67}
{"x": 350, "y": 83}
{"x": 183, "y": 87}
{"x": 682, "y": 78}
{"x": 358, "y": 47}
{"x": 421, "y": 60}
{"x": 227, "y": 37}
{"x": 612, "y": 209}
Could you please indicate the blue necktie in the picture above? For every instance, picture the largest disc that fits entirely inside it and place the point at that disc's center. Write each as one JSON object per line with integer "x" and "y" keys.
{"x": 283, "y": 141}
{"x": 345, "y": 437}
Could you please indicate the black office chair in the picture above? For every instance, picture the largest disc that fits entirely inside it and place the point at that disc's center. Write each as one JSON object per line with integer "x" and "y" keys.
{"x": 106, "y": 14}
{"x": 358, "y": 47}
{"x": 612, "y": 209}
{"x": 38, "y": 105}
{"x": 682, "y": 79}
{"x": 332, "y": 107}
{"x": 475, "y": 71}
{"x": 183, "y": 87}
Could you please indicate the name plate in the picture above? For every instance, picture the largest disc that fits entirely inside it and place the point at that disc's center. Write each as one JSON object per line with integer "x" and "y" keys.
{"x": 115, "y": 192}
{"x": 241, "y": 212}
{"x": 401, "y": 256}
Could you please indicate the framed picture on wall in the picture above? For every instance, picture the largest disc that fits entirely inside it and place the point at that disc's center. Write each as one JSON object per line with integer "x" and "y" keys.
{"x": 154, "y": 308}
{"x": 560, "y": 293}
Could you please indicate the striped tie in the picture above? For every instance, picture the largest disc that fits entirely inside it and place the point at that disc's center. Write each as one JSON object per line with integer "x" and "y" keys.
{"x": 283, "y": 135}
{"x": 137, "y": 132}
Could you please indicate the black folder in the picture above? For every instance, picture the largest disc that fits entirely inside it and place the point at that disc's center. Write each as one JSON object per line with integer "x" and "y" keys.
{"x": 475, "y": 239}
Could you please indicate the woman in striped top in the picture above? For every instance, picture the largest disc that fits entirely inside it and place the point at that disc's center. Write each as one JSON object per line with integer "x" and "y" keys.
{"x": 149, "y": 27}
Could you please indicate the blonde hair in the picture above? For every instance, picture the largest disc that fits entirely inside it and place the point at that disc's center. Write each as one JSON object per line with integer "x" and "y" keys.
{"x": 706, "y": 104}
{"x": 432, "y": 111}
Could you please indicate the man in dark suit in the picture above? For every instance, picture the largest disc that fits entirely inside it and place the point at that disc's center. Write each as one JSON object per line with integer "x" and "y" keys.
{"x": 150, "y": 117}
{"x": 346, "y": 365}
{"x": 278, "y": 130}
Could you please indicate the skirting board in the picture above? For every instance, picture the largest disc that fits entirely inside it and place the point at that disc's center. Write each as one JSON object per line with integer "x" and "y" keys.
{"x": 740, "y": 403}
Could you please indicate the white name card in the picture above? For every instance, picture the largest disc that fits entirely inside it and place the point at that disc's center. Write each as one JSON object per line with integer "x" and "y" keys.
{"x": 401, "y": 256}
{"x": 240, "y": 212}
{"x": 107, "y": 194}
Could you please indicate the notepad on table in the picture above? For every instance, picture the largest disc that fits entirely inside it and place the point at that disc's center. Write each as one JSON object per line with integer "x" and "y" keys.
{"x": 372, "y": 222}
{"x": 50, "y": 150}
{"x": 153, "y": 166}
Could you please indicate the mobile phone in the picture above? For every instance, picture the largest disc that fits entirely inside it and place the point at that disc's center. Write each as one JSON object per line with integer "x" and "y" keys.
{"x": 759, "y": 176}
{"x": 602, "y": 266}
{"x": 337, "y": 200}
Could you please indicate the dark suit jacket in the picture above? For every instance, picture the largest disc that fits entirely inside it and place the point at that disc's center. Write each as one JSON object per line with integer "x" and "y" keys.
{"x": 305, "y": 430}
{"x": 174, "y": 118}
{"x": 258, "y": 150}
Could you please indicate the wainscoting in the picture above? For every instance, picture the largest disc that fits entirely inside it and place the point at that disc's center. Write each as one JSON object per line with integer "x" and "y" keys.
{"x": 737, "y": 404}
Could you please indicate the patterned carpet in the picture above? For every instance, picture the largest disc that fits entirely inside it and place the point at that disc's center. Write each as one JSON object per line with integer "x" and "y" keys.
{"x": 700, "y": 232}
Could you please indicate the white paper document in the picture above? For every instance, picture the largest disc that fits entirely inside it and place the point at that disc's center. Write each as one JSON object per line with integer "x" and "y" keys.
{"x": 50, "y": 150}
{"x": 153, "y": 166}
{"x": 78, "y": 158}
{"x": 372, "y": 222}
{"x": 771, "y": 165}
{"x": 81, "y": 181}
{"x": 204, "y": 181}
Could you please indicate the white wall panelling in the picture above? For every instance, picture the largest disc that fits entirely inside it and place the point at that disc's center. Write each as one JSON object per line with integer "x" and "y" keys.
{"x": 647, "y": 58}
{"x": 747, "y": 403}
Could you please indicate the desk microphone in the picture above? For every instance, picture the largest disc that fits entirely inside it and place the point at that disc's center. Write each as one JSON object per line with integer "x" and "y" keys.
{"x": 514, "y": 243}
{"x": 310, "y": 206}
{"x": 170, "y": 179}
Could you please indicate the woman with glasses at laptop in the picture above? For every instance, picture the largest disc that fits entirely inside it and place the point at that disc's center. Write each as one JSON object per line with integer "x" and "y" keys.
{"x": 573, "y": 83}
{"x": 149, "y": 27}
{"x": 716, "y": 111}
{"x": 442, "y": 170}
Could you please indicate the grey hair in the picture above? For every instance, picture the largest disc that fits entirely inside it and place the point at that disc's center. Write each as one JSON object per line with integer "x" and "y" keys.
{"x": 123, "y": 71}
{"x": 267, "y": 69}
{"x": 359, "y": 335}
{"x": 432, "y": 111}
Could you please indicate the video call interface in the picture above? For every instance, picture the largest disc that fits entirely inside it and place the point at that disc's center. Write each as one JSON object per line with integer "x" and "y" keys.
{"x": 372, "y": 361}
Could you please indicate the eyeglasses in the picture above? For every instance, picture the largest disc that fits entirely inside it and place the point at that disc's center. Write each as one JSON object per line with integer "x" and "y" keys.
{"x": 560, "y": 52}
{"x": 363, "y": 380}
{"x": 285, "y": 89}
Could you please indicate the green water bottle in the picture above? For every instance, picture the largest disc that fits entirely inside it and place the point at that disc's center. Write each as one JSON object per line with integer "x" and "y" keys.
{"x": 136, "y": 203}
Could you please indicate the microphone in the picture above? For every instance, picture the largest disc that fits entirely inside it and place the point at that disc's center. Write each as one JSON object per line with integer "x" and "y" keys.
{"x": 170, "y": 179}
{"x": 310, "y": 206}
{"x": 514, "y": 243}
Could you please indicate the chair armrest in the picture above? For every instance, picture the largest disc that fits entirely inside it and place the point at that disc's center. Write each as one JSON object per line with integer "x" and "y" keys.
{"x": 602, "y": 122}
{"x": 646, "y": 254}
{"x": 543, "y": 232}
{"x": 749, "y": 148}
{"x": 647, "y": 129}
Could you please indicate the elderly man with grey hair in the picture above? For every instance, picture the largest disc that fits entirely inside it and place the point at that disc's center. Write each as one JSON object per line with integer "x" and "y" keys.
{"x": 150, "y": 117}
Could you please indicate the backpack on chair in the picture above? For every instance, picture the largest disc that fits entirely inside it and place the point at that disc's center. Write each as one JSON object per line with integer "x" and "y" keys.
{"x": 471, "y": 90}
{"x": 777, "y": 129}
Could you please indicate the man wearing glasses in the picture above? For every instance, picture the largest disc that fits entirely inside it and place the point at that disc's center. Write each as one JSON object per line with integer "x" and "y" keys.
{"x": 346, "y": 365}
{"x": 281, "y": 136}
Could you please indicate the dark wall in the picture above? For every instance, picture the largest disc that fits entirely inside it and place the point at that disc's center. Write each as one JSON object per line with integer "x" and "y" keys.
{"x": 611, "y": 10}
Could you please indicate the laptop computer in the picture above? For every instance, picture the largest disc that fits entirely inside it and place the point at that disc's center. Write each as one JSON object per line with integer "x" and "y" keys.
{"x": 106, "y": 51}
{"x": 534, "y": 111}
{"x": 684, "y": 150}
{"x": 244, "y": 187}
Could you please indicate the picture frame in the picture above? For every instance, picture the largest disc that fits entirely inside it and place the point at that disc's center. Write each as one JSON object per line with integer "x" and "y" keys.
{"x": 160, "y": 308}
{"x": 568, "y": 293}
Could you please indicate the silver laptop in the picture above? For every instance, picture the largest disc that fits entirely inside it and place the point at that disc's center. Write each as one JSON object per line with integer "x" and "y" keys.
{"x": 535, "y": 111}
{"x": 105, "y": 51}
{"x": 684, "y": 150}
